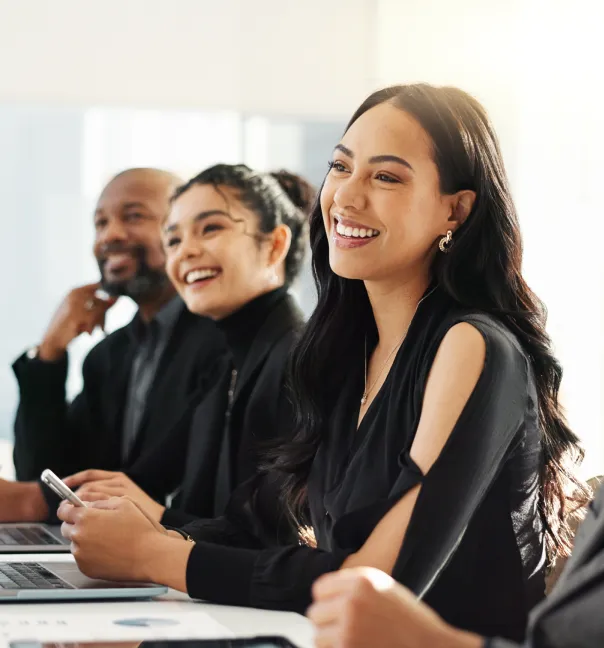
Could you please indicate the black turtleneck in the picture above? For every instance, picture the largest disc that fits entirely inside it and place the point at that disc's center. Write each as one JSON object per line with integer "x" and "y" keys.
{"x": 242, "y": 326}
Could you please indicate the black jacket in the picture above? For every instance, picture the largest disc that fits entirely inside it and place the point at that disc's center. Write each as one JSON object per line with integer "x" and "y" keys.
{"x": 87, "y": 433}
{"x": 218, "y": 456}
{"x": 572, "y": 616}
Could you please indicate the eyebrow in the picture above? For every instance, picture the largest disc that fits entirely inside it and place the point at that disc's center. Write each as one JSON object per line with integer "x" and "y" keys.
{"x": 129, "y": 205}
{"x": 376, "y": 159}
{"x": 201, "y": 216}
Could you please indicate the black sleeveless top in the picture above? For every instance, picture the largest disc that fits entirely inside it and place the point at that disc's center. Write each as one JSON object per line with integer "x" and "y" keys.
{"x": 474, "y": 547}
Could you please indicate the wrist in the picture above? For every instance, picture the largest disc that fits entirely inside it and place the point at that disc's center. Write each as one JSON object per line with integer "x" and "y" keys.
{"x": 31, "y": 502}
{"x": 165, "y": 559}
{"x": 48, "y": 351}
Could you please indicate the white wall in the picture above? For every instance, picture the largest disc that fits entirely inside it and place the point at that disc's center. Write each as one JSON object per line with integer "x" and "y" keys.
{"x": 266, "y": 56}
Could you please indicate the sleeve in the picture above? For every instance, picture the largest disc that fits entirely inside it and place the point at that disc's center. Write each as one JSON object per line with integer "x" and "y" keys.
{"x": 483, "y": 436}
{"x": 47, "y": 429}
{"x": 502, "y": 643}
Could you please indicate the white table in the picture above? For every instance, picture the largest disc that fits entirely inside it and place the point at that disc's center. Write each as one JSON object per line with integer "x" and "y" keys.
{"x": 238, "y": 622}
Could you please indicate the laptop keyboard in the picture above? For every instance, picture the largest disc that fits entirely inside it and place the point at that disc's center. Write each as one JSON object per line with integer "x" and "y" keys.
{"x": 24, "y": 536}
{"x": 29, "y": 576}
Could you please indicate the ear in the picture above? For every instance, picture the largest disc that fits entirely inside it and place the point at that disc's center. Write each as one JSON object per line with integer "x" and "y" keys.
{"x": 280, "y": 242}
{"x": 463, "y": 201}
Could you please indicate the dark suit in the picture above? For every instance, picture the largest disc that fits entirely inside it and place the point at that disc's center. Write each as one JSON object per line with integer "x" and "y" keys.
{"x": 572, "y": 616}
{"x": 218, "y": 456}
{"x": 51, "y": 433}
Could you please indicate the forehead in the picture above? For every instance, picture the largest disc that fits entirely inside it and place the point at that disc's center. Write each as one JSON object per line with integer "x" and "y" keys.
{"x": 133, "y": 188}
{"x": 207, "y": 198}
{"x": 388, "y": 130}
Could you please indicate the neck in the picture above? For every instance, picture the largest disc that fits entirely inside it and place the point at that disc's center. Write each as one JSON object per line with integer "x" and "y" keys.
{"x": 149, "y": 307}
{"x": 394, "y": 305}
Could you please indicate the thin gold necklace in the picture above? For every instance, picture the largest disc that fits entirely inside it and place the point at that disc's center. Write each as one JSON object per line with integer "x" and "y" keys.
{"x": 367, "y": 390}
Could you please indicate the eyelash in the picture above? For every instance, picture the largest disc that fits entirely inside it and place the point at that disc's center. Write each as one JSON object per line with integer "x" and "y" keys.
{"x": 214, "y": 227}
{"x": 382, "y": 177}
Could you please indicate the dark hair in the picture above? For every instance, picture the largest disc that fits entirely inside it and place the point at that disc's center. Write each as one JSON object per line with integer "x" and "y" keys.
{"x": 482, "y": 271}
{"x": 268, "y": 199}
{"x": 299, "y": 190}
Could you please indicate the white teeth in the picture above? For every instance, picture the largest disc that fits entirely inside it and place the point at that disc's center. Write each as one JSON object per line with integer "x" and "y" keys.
{"x": 197, "y": 275}
{"x": 355, "y": 232}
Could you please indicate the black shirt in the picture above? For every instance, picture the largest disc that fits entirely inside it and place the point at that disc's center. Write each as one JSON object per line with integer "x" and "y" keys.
{"x": 151, "y": 340}
{"x": 474, "y": 545}
{"x": 215, "y": 449}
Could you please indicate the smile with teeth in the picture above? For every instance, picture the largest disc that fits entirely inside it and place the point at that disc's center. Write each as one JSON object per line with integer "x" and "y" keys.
{"x": 355, "y": 232}
{"x": 201, "y": 275}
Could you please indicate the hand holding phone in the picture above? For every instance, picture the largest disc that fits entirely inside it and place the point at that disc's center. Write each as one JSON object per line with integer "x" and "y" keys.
{"x": 60, "y": 488}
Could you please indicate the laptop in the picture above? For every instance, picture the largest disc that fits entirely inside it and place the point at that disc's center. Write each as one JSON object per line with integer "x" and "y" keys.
{"x": 31, "y": 538}
{"x": 63, "y": 581}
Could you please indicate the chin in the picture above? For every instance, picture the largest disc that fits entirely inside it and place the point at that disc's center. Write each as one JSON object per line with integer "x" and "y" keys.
{"x": 348, "y": 268}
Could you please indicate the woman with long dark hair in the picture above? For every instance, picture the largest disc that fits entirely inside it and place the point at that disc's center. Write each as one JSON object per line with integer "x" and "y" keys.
{"x": 429, "y": 439}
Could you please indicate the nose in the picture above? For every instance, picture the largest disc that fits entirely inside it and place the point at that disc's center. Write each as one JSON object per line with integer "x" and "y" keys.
{"x": 350, "y": 194}
{"x": 190, "y": 246}
{"x": 113, "y": 232}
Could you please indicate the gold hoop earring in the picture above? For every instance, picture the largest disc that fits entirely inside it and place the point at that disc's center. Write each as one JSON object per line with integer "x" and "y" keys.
{"x": 446, "y": 242}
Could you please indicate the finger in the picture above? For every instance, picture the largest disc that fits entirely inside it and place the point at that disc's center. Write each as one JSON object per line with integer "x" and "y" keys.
{"x": 67, "y": 531}
{"x": 325, "y": 612}
{"x": 111, "y": 504}
{"x": 69, "y": 513}
{"x": 73, "y": 481}
{"x": 93, "y": 496}
{"x": 330, "y": 637}
{"x": 333, "y": 584}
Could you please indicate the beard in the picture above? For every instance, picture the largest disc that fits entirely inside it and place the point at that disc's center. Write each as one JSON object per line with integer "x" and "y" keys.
{"x": 146, "y": 282}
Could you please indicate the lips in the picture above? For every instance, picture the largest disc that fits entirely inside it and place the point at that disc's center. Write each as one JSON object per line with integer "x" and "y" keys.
{"x": 118, "y": 262}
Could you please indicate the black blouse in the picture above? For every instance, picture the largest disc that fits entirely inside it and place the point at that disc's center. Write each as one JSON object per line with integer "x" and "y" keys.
{"x": 474, "y": 546}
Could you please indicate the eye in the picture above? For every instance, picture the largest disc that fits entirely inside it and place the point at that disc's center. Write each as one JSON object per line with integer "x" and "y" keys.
{"x": 99, "y": 224}
{"x": 212, "y": 227}
{"x": 172, "y": 242}
{"x": 384, "y": 177}
{"x": 337, "y": 165}
{"x": 133, "y": 216}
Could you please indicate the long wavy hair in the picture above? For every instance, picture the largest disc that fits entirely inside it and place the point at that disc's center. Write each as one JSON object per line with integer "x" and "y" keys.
{"x": 481, "y": 271}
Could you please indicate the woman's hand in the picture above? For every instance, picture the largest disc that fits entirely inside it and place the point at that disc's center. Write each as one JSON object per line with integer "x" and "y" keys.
{"x": 113, "y": 539}
{"x": 358, "y": 608}
{"x": 99, "y": 485}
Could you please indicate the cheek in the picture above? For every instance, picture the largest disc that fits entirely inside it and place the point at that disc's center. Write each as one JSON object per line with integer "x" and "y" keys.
{"x": 326, "y": 201}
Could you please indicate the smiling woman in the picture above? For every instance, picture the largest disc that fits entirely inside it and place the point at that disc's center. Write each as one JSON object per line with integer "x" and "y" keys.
{"x": 428, "y": 440}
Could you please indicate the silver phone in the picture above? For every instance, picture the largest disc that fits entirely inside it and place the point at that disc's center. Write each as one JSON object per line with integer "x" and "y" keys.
{"x": 60, "y": 488}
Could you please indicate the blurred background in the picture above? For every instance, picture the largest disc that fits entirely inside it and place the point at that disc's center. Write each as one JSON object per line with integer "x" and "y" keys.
{"x": 90, "y": 88}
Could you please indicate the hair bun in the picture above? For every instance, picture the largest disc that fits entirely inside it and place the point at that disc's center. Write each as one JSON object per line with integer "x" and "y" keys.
{"x": 298, "y": 190}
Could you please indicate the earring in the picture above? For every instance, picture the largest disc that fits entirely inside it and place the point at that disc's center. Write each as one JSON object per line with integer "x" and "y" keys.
{"x": 446, "y": 242}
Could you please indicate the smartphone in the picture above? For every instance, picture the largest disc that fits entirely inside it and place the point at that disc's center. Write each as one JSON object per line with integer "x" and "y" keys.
{"x": 255, "y": 642}
{"x": 57, "y": 485}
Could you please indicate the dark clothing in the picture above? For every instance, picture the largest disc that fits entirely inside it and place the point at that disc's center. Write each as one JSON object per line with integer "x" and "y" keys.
{"x": 247, "y": 406}
{"x": 474, "y": 546}
{"x": 87, "y": 433}
{"x": 572, "y": 616}
{"x": 152, "y": 340}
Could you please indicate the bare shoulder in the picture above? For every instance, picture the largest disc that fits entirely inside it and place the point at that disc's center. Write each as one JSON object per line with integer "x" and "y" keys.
{"x": 462, "y": 351}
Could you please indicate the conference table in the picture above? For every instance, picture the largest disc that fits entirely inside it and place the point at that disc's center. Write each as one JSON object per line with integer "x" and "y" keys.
{"x": 173, "y": 616}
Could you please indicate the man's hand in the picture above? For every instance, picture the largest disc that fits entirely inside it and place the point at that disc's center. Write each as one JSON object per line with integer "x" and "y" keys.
{"x": 364, "y": 607}
{"x": 80, "y": 312}
{"x": 22, "y": 502}
{"x": 98, "y": 485}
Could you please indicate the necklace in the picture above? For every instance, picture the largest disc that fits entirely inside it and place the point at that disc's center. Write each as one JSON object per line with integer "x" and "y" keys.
{"x": 369, "y": 389}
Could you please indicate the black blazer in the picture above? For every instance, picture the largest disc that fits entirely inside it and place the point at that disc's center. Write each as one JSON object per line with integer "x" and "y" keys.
{"x": 51, "y": 433}
{"x": 572, "y": 616}
{"x": 206, "y": 458}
